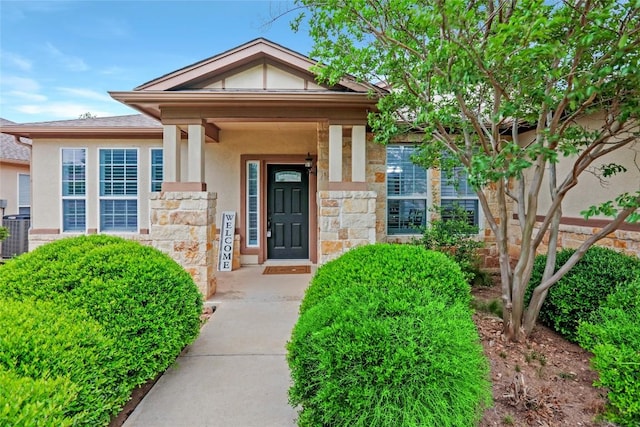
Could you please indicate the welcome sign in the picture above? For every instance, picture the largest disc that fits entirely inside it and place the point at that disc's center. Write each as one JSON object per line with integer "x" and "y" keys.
{"x": 225, "y": 252}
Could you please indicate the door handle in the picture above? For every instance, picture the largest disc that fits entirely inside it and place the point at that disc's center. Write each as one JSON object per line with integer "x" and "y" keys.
{"x": 268, "y": 227}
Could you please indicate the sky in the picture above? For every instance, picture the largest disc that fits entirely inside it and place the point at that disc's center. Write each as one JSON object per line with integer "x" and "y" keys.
{"x": 59, "y": 58}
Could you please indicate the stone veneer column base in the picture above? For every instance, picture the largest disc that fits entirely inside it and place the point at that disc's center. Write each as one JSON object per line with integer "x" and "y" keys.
{"x": 183, "y": 226}
{"x": 346, "y": 219}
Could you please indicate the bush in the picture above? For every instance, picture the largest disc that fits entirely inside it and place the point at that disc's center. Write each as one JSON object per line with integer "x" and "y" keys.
{"x": 457, "y": 238}
{"x": 385, "y": 265}
{"x": 24, "y": 400}
{"x": 4, "y": 233}
{"x": 388, "y": 355}
{"x": 43, "y": 342}
{"x": 144, "y": 302}
{"x": 581, "y": 291}
{"x": 613, "y": 335}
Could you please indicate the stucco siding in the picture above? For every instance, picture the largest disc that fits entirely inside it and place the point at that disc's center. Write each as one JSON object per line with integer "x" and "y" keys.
{"x": 9, "y": 185}
{"x": 47, "y": 177}
{"x": 592, "y": 189}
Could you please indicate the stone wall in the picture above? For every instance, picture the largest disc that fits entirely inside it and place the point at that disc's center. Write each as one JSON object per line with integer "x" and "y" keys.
{"x": 38, "y": 239}
{"x": 346, "y": 219}
{"x": 183, "y": 226}
{"x": 572, "y": 236}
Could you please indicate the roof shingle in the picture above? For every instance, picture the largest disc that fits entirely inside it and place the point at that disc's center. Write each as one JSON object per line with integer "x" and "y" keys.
{"x": 10, "y": 149}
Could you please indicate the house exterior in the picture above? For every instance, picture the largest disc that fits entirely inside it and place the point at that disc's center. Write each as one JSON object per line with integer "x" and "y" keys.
{"x": 247, "y": 131}
{"x": 15, "y": 189}
{"x": 15, "y": 160}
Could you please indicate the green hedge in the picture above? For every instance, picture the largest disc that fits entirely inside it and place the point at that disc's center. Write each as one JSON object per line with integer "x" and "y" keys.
{"x": 385, "y": 265}
{"x": 143, "y": 302}
{"x": 613, "y": 335}
{"x": 388, "y": 355}
{"x": 581, "y": 291}
{"x": 24, "y": 400}
{"x": 44, "y": 341}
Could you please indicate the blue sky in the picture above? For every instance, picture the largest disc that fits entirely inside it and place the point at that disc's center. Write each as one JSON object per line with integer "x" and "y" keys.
{"x": 58, "y": 59}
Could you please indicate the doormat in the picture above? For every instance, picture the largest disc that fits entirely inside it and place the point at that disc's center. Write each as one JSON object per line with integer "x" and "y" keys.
{"x": 287, "y": 269}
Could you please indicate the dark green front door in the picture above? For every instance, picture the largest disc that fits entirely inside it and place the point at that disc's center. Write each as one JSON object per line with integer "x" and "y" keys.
{"x": 288, "y": 212}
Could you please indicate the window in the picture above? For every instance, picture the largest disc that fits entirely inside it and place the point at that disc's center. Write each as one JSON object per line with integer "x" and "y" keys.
{"x": 253, "y": 201}
{"x": 455, "y": 191}
{"x": 74, "y": 189}
{"x": 156, "y": 169}
{"x": 406, "y": 191}
{"x": 24, "y": 193}
{"x": 119, "y": 190}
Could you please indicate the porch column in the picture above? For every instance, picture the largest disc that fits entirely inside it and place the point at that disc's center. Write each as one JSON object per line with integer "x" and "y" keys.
{"x": 171, "y": 153}
{"x": 358, "y": 154}
{"x": 183, "y": 226}
{"x": 335, "y": 153}
{"x": 196, "y": 153}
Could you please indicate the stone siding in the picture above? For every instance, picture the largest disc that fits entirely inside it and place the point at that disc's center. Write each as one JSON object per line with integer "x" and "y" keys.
{"x": 572, "y": 236}
{"x": 183, "y": 226}
{"x": 346, "y": 219}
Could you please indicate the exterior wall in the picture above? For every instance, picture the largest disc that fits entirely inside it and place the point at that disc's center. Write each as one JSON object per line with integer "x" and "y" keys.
{"x": 347, "y": 220}
{"x": 9, "y": 184}
{"x": 183, "y": 227}
{"x": 47, "y": 176}
{"x": 223, "y": 163}
{"x": 350, "y": 217}
{"x": 590, "y": 191}
{"x": 263, "y": 76}
{"x": 625, "y": 240}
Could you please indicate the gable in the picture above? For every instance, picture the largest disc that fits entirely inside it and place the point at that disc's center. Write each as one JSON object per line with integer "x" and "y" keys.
{"x": 257, "y": 65}
{"x": 258, "y": 75}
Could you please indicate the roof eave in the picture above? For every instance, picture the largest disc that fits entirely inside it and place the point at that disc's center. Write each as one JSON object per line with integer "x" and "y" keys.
{"x": 74, "y": 132}
{"x": 240, "y": 97}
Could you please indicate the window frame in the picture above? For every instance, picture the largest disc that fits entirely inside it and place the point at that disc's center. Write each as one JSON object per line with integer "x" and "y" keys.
{"x": 257, "y": 196}
{"x": 426, "y": 197}
{"x": 468, "y": 196}
{"x": 75, "y": 197}
{"x": 102, "y": 198}
{"x": 151, "y": 169}
{"x": 22, "y": 206}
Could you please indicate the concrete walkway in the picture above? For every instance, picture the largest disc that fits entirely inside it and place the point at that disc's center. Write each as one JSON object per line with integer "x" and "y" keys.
{"x": 235, "y": 374}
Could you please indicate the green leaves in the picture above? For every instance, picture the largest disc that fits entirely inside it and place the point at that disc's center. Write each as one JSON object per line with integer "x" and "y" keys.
{"x": 611, "y": 333}
{"x": 398, "y": 348}
{"x": 612, "y": 208}
{"x": 105, "y": 313}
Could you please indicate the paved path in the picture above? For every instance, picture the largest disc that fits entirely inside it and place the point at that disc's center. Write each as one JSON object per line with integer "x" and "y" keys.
{"x": 235, "y": 374}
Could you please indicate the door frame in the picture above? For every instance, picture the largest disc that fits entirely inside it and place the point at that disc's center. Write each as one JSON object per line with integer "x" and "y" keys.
{"x": 278, "y": 159}
{"x": 303, "y": 186}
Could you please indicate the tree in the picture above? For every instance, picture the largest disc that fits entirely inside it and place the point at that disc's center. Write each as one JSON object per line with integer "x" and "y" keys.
{"x": 87, "y": 115}
{"x": 472, "y": 75}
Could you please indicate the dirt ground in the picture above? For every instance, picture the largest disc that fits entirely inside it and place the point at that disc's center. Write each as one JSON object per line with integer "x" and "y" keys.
{"x": 546, "y": 381}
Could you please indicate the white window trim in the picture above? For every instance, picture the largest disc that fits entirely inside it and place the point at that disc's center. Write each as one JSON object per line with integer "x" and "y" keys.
{"x": 474, "y": 196}
{"x": 86, "y": 187}
{"x": 136, "y": 198}
{"x": 247, "y": 210}
{"x": 151, "y": 150}
{"x": 18, "y": 193}
{"x": 428, "y": 198}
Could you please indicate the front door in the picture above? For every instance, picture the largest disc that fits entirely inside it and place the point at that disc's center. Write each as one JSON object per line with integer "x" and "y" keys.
{"x": 288, "y": 212}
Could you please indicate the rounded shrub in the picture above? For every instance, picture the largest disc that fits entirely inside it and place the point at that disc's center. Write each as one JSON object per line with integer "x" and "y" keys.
{"x": 372, "y": 356}
{"x": 143, "y": 300}
{"x": 387, "y": 265}
{"x": 25, "y": 402}
{"x": 64, "y": 351}
{"x": 581, "y": 291}
{"x": 612, "y": 334}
